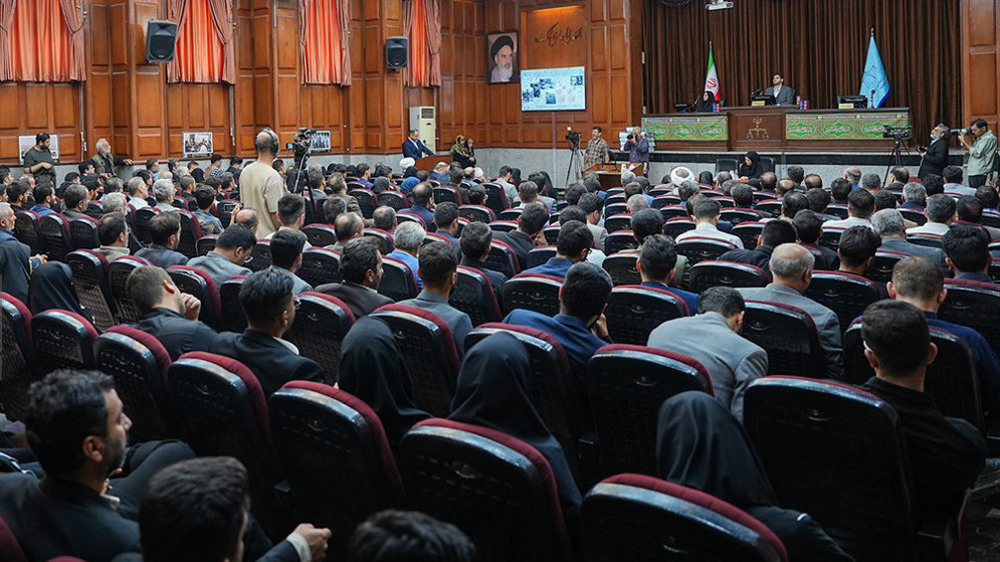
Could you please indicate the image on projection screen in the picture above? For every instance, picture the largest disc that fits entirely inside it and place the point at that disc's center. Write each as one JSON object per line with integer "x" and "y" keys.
{"x": 553, "y": 89}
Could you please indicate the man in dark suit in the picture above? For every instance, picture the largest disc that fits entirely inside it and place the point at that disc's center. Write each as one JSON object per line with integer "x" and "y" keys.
{"x": 15, "y": 263}
{"x": 533, "y": 219}
{"x": 783, "y": 95}
{"x": 415, "y": 148}
{"x": 574, "y": 243}
{"x": 165, "y": 232}
{"x": 361, "y": 271}
{"x": 475, "y": 241}
{"x": 774, "y": 234}
{"x": 935, "y": 158}
{"x": 86, "y": 504}
{"x": 269, "y": 306}
{"x": 169, "y": 315}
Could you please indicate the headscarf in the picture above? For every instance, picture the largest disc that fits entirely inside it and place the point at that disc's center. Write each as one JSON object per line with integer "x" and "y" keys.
{"x": 705, "y": 106}
{"x": 410, "y": 172}
{"x": 460, "y": 147}
{"x": 492, "y": 392}
{"x": 372, "y": 368}
{"x": 701, "y": 445}
{"x": 381, "y": 184}
{"x": 51, "y": 287}
{"x": 754, "y": 170}
{"x": 706, "y": 178}
{"x": 408, "y": 184}
{"x": 515, "y": 177}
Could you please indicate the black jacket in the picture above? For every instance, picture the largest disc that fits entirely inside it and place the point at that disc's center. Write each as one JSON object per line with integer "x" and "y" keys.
{"x": 177, "y": 334}
{"x": 935, "y": 159}
{"x": 14, "y": 266}
{"x": 360, "y": 299}
{"x": 271, "y": 361}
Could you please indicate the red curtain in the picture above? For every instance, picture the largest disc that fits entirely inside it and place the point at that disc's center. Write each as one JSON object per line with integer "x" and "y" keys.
{"x": 43, "y": 40}
{"x": 422, "y": 26}
{"x": 205, "y": 46}
{"x": 324, "y": 41}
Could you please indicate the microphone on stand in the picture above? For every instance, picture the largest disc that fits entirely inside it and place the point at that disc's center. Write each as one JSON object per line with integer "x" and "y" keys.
{"x": 871, "y": 100}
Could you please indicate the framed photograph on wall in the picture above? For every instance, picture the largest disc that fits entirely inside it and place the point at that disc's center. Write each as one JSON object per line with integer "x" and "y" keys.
{"x": 198, "y": 144}
{"x": 501, "y": 51}
{"x": 321, "y": 141}
{"x": 27, "y": 142}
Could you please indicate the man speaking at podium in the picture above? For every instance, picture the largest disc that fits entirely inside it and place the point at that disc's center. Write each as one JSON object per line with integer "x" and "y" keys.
{"x": 783, "y": 95}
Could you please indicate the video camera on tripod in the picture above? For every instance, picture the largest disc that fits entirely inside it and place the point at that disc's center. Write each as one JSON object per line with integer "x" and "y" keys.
{"x": 896, "y": 133}
{"x": 301, "y": 144}
{"x": 573, "y": 137}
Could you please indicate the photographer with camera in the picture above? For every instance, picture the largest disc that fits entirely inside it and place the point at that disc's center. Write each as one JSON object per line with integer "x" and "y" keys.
{"x": 637, "y": 146}
{"x": 597, "y": 148}
{"x": 982, "y": 146}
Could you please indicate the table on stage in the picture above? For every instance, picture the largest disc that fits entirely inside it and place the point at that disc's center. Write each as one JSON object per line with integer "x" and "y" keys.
{"x": 427, "y": 163}
{"x": 776, "y": 128}
{"x": 611, "y": 174}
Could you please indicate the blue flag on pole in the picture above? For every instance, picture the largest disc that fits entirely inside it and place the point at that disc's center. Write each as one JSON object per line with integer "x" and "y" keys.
{"x": 874, "y": 82}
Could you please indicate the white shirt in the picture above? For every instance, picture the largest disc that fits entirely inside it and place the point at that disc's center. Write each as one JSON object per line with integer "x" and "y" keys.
{"x": 929, "y": 228}
{"x": 137, "y": 202}
{"x": 849, "y": 222}
{"x": 709, "y": 230}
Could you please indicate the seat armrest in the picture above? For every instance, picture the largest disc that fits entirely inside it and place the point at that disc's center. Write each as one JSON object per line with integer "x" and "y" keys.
{"x": 936, "y": 539}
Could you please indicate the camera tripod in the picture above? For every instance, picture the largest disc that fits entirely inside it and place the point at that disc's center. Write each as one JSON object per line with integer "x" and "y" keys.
{"x": 575, "y": 159}
{"x": 895, "y": 158}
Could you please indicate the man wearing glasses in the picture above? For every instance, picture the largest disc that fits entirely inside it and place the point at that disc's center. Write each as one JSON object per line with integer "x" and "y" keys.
{"x": 230, "y": 255}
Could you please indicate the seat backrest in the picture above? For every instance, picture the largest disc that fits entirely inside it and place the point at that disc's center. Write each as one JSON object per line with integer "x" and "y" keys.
{"x": 319, "y": 267}
{"x": 142, "y": 218}
{"x": 9, "y": 545}
{"x": 260, "y": 256}
{"x": 769, "y": 206}
{"x": 27, "y": 229}
{"x": 503, "y": 259}
{"x": 55, "y": 231}
{"x": 622, "y": 268}
{"x": 847, "y": 295}
{"x": 748, "y": 232}
{"x": 714, "y": 273}
{"x": 83, "y": 233}
{"x": 473, "y": 295}
{"x": 725, "y": 165}
{"x": 477, "y": 213}
{"x": 206, "y": 244}
{"x": 428, "y": 348}
{"x": 233, "y": 318}
{"x": 89, "y": 270}
{"x": 539, "y": 255}
{"x": 118, "y": 272}
{"x": 634, "y": 311}
{"x": 842, "y": 435}
{"x": 138, "y": 363}
{"x": 17, "y": 356}
{"x": 637, "y": 517}
{"x": 699, "y": 249}
{"x": 830, "y": 237}
{"x": 386, "y": 243}
{"x": 398, "y": 280}
{"x": 366, "y": 201}
{"x": 737, "y": 216}
{"x": 407, "y": 216}
{"x": 498, "y": 490}
{"x": 496, "y": 199}
{"x": 551, "y": 234}
{"x": 926, "y": 239}
{"x": 62, "y": 340}
{"x": 789, "y": 336}
{"x": 393, "y": 199}
{"x": 446, "y": 194}
{"x": 619, "y": 241}
{"x": 618, "y": 222}
{"x": 320, "y": 234}
{"x": 677, "y": 226}
{"x": 510, "y": 214}
{"x": 320, "y": 325}
{"x": 881, "y": 268}
{"x": 507, "y": 226}
{"x": 197, "y": 282}
{"x": 336, "y": 457}
{"x": 974, "y": 305}
{"x": 626, "y": 385}
{"x": 190, "y": 233}
{"x": 674, "y": 212}
{"x": 530, "y": 291}
{"x": 222, "y": 411}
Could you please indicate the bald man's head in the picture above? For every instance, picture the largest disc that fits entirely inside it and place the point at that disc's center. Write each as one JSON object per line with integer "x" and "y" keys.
{"x": 246, "y": 218}
{"x": 266, "y": 143}
{"x": 790, "y": 261}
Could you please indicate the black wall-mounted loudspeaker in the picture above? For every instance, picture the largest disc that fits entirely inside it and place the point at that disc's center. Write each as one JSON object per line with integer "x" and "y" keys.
{"x": 161, "y": 36}
{"x": 397, "y": 52}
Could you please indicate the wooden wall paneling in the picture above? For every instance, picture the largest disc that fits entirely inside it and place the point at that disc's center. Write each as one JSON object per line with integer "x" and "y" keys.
{"x": 980, "y": 61}
{"x": 98, "y": 96}
{"x": 244, "y": 126}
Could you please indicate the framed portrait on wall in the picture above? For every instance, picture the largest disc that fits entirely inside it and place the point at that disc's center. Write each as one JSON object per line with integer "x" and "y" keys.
{"x": 501, "y": 50}
{"x": 198, "y": 144}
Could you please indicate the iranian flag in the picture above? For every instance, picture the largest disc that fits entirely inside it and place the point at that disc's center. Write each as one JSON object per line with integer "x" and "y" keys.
{"x": 712, "y": 76}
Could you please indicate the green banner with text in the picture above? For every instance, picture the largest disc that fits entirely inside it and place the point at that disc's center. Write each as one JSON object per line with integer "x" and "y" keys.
{"x": 844, "y": 126}
{"x": 713, "y": 127}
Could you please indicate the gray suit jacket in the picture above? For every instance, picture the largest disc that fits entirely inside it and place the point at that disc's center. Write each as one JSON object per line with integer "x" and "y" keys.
{"x": 218, "y": 267}
{"x": 785, "y": 97}
{"x": 457, "y": 320}
{"x": 901, "y": 245}
{"x": 733, "y": 362}
{"x": 824, "y": 318}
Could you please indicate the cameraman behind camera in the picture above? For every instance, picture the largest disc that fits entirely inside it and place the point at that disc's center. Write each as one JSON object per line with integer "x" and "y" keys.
{"x": 982, "y": 147}
{"x": 637, "y": 147}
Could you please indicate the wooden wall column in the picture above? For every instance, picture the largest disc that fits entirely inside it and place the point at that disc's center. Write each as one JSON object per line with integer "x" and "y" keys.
{"x": 980, "y": 62}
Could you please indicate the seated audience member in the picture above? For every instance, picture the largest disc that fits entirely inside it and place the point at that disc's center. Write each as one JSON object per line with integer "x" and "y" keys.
{"x": 404, "y": 536}
{"x": 898, "y": 175}
{"x": 477, "y": 195}
{"x": 706, "y": 215}
{"x": 423, "y": 204}
{"x": 702, "y": 446}
{"x": 952, "y": 176}
{"x": 361, "y": 271}
{"x": 527, "y": 193}
{"x": 163, "y": 192}
{"x": 475, "y": 241}
{"x": 437, "y": 266}
{"x": 888, "y": 224}
{"x": 646, "y": 223}
{"x": 784, "y": 187}
{"x": 446, "y": 220}
{"x": 970, "y": 212}
{"x": 384, "y": 218}
{"x": 657, "y": 266}
{"x": 533, "y": 220}
{"x": 840, "y": 190}
{"x": 853, "y": 176}
{"x": 593, "y": 205}
{"x": 372, "y": 368}
{"x": 858, "y": 245}
{"x": 774, "y": 234}
{"x": 791, "y": 268}
{"x": 637, "y": 203}
{"x": 742, "y": 196}
{"x": 78, "y": 432}
{"x": 74, "y": 202}
{"x": 860, "y": 208}
{"x": 210, "y": 224}
{"x": 17, "y": 195}
{"x": 286, "y": 254}
{"x": 333, "y": 207}
{"x": 455, "y": 178}
{"x": 574, "y": 192}
{"x": 809, "y": 227}
{"x": 168, "y": 314}
{"x": 915, "y": 283}
{"x": 871, "y": 183}
{"x": 348, "y": 226}
{"x": 408, "y": 239}
{"x": 51, "y": 288}
{"x": 545, "y": 188}
{"x": 966, "y": 250}
{"x": 580, "y": 326}
{"x": 43, "y": 200}
{"x": 940, "y": 213}
{"x": 946, "y": 454}
{"x": 792, "y": 203}
{"x": 339, "y": 187}
{"x": 229, "y": 257}
{"x": 914, "y": 197}
{"x": 16, "y": 261}
{"x": 989, "y": 198}
{"x": 291, "y": 213}
{"x": 113, "y": 233}
{"x": 198, "y": 510}
{"x": 819, "y": 200}
{"x": 494, "y": 391}
{"x": 574, "y": 242}
{"x": 165, "y": 232}
{"x": 247, "y": 218}
{"x": 713, "y": 338}
{"x": 269, "y": 304}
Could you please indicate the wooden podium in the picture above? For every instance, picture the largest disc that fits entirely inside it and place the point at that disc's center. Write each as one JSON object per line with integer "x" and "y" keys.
{"x": 610, "y": 174}
{"x": 428, "y": 162}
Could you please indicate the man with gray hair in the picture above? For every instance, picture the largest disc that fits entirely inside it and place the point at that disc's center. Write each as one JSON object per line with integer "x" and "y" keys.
{"x": 163, "y": 192}
{"x": 940, "y": 212}
{"x": 721, "y": 178}
{"x": 74, "y": 201}
{"x": 791, "y": 267}
{"x": 627, "y": 177}
{"x": 871, "y": 182}
{"x": 888, "y": 223}
{"x": 137, "y": 192}
{"x": 115, "y": 203}
{"x": 409, "y": 236}
{"x": 384, "y": 218}
{"x": 853, "y": 175}
{"x": 914, "y": 196}
{"x": 637, "y": 203}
